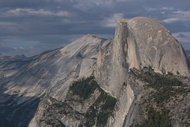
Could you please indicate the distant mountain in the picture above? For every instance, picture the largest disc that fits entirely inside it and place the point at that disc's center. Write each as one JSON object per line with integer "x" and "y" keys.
{"x": 181, "y": 35}
{"x": 20, "y": 56}
{"x": 187, "y": 52}
{"x": 139, "y": 78}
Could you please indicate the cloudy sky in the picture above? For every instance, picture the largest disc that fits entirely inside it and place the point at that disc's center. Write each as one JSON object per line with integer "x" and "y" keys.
{"x": 32, "y": 26}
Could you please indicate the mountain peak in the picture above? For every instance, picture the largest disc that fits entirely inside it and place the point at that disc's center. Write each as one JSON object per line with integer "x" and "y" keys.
{"x": 149, "y": 43}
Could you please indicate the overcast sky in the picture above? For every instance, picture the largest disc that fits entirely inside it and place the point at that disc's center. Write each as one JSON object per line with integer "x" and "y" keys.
{"x": 32, "y": 26}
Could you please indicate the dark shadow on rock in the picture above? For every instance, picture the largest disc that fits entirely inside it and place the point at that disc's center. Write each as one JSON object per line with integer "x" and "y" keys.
{"x": 14, "y": 114}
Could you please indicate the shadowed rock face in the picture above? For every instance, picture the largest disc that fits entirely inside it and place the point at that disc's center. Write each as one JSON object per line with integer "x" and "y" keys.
{"x": 14, "y": 113}
{"x": 139, "y": 42}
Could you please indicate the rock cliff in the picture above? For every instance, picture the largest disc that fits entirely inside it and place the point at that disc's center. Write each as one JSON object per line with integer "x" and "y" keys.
{"x": 138, "y": 43}
{"x": 99, "y": 82}
{"x": 151, "y": 44}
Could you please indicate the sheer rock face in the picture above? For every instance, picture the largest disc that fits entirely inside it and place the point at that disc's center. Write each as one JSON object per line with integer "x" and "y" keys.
{"x": 151, "y": 44}
{"x": 138, "y": 42}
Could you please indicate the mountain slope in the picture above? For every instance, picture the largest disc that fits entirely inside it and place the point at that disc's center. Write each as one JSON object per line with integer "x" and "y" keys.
{"x": 24, "y": 80}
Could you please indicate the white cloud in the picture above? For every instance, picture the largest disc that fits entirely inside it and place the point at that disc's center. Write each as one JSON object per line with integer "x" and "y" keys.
{"x": 182, "y": 12}
{"x": 178, "y": 16}
{"x": 87, "y": 5}
{"x": 151, "y": 9}
{"x": 167, "y": 8}
{"x": 159, "y": 9}
{"x": 111, "y": 21}
{"x": 29, "y": 11}
{"x": 170, "y": 20}
{"x": 62, "y": 13}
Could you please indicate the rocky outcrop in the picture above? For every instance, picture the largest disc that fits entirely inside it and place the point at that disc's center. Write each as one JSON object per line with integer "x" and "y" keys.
{"x": 94, "y": 81}
{"x": 86, "y": 104}
{"x": 139, "y": 42}
{"x": 151, "y": 44}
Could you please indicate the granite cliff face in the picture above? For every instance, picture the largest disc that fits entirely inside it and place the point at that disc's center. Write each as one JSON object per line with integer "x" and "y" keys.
{"x": 97, "y": 82}
{"x": 138, "y": 43}
{"x": 151, "y": 44}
